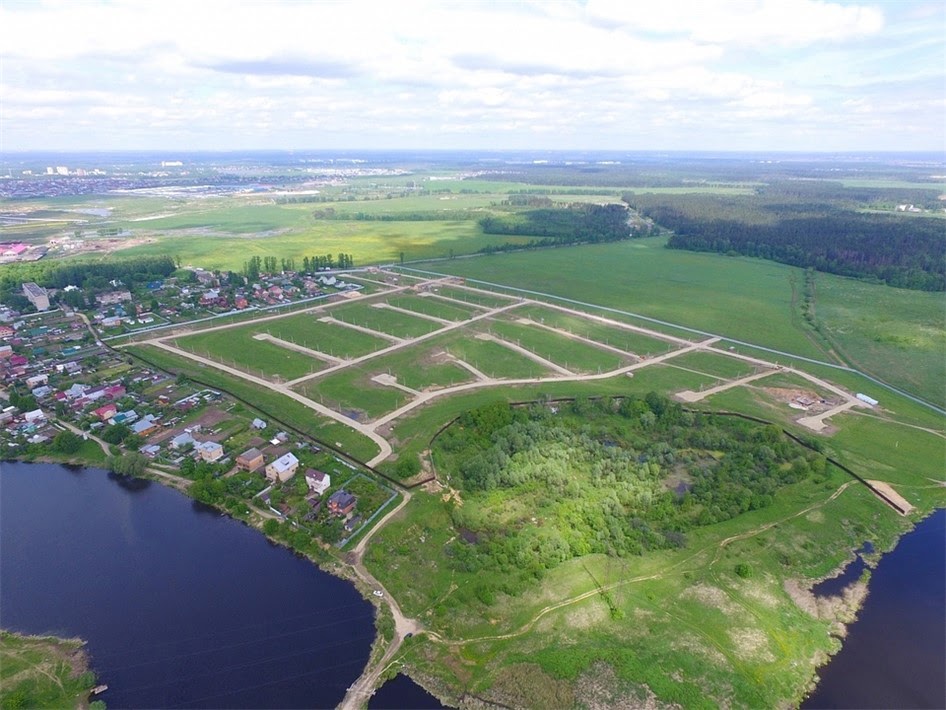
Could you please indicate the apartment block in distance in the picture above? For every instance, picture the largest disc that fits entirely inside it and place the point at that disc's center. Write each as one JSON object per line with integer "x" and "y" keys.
{"x": 36, "y": 295}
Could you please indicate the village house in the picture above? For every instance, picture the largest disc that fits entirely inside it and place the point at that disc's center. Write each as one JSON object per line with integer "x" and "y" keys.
{"x": 341, "y": 503}
{"x": 6, "y": 331}
{"x": 107, "y": 412}
{"x": 283, "y": 468}
{"x": 5, "y": 351}
{"x": 317, "y": 481}
{"x": 145, "y": 426}
{"x": 210, "y": 451}
{"x": 181, "y": 441}
{"x": 250, "y": 460}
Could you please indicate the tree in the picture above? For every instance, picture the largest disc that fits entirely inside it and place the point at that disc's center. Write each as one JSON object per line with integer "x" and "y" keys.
{"x": 66, "y": 442}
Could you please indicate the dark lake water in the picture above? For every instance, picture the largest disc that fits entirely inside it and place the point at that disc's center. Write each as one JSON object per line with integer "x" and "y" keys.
{"x": 180, "y": 607}
{"x": 895, "y": 653}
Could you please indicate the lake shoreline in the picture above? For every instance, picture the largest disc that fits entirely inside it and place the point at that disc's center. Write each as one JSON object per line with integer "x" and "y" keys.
{"x": 849, "y": 611}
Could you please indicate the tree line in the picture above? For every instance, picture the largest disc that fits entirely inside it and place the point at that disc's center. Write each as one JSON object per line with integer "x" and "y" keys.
{"x": 899, "y": 250}
{"x": 563, "y": 225}
{"x": 254, "y": 266}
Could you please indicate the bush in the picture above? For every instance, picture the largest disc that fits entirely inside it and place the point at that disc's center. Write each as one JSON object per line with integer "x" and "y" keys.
{"x": 744, "y": 570}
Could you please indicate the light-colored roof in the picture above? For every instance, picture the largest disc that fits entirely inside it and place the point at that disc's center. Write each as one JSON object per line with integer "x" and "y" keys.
{"x": 284, "y": 462}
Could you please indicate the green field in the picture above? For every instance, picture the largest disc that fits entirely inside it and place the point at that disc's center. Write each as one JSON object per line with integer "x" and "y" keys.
{"x": 384, "y": 320}
{"x": 482, "y": 299}
{"x": 434, "y": 307}
{"x": 305, "y": 329}
{"x": 573, "y": 355}
{"x": 893, "y": 334}
{"x": 493, "y": 359}
{"x": 713, "y": 364}
{"x": 422, "y": 366}
{"x": 237, "y": 348}
{"x": 352, "y": 392}
{"x": 637, "y": 343}
{"x": 215, "y": 245}
{"x": 896, "y": 334}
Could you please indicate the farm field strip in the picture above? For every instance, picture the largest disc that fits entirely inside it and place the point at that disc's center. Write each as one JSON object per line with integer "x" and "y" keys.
{"x": 473, "y": 296}
{"x": 251, "y": 354}
{"x": 691, "y": 396}
{"x": 344, "y": 343}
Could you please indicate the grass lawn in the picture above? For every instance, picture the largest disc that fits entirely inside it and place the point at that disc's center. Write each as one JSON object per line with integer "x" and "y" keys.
{"x": 574, "y": 355}
{"x": 384, "y": 320}
{"x": 236, "y": 347}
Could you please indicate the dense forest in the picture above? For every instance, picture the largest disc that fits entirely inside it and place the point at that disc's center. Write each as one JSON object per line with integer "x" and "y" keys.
{"x": 543, "y": 484}
{"x": 789, "y": 226}
{"x": 564, "y": 225}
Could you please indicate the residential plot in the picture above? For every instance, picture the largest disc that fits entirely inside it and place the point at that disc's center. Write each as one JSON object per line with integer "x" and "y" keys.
{"x": 352, "y": 392}
{"x": 421, "y": 367}
{"x": 307, "y": 330}
{"x": 237, "y": 348}
{"x": 475, "y": 297}
{"x": 432, "y": 306}
{"x": 616, "y": 336}
{"x": 493, "y": 359}
{"x": 384, "y": 320}
{"x": 574, "y": 355}
{"x": 713, "y": 364}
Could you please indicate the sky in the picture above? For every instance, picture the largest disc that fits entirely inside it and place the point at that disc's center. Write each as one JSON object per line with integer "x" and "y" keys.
{"x": 794, "y": 75}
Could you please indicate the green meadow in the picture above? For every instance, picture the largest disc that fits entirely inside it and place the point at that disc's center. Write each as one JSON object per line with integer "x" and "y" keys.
{"x": 896, "y": 335}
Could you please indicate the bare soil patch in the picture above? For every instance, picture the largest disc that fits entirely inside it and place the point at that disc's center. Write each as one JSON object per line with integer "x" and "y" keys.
{"x": 889, "y": 491}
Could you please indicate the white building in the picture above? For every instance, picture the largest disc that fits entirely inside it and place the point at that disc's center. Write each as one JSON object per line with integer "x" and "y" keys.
{"x": 283, "y": 468}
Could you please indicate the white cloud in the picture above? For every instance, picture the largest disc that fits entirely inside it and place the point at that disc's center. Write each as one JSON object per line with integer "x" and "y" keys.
{"x": 594, "y": 74}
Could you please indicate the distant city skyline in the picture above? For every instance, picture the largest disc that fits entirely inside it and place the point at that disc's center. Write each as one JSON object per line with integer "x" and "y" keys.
{"x": 729, "y": 75}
